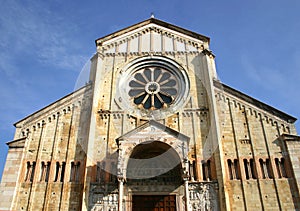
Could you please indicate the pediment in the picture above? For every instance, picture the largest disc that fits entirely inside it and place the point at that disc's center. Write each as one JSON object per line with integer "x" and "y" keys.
{"x": 152, "y": 130}
{"x": 151, "y": 35}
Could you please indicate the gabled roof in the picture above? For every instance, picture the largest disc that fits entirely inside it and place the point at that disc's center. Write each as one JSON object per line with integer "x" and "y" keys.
{"x": 255, "y": 102}
{"x": 155, "y": 21}
{"x": 18, "y": 143}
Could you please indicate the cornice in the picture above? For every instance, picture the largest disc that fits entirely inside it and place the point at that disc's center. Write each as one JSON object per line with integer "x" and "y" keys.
{"x": 157, "y": 22}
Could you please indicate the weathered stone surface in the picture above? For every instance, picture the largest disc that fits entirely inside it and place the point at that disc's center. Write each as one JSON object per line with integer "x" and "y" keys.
{"x": 231, "y": 151}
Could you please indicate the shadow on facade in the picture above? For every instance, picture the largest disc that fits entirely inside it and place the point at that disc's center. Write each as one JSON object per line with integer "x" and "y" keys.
{"x": 145, "y": 175}
{"x": 284, "y": 171}
{"x": 74, "y": 184}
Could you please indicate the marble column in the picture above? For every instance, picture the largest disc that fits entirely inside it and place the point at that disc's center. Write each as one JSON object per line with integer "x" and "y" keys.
{"x": 121, "y": 190}
{"x": 187, "y": 195}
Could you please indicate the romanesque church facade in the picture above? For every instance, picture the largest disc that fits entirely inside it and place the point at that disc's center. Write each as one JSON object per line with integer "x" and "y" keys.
{"x": 154, "y": 129}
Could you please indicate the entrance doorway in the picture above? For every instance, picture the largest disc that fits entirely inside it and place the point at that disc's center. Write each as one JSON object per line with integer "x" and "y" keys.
{"x": 154, "y": 203}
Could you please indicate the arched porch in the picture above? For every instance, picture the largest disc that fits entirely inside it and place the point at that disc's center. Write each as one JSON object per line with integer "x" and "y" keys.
{"x": 153, "y": 167}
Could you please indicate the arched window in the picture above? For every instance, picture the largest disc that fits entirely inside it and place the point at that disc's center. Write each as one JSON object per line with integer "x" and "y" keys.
{"x": 206, "y": 169}
{"x": 30, "y": 169}
{"x": 253, "y": 169}
{"x": 266, "y": 169}
{"x": 269, "y": 168}
{"x": 249, "y": 169}
{"x": 236, "y": 169}
{"x": 280, "y": 167}
{"x": 194, "y": 170}
{"x": 233, "y": 169}
{"x": 60, "y": 172}
{"x": 75, "y": 171}
{"x": 45, "y": 170}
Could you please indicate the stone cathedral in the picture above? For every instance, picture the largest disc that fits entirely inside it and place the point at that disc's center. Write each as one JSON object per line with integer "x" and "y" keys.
{"x": 153, "y": 129}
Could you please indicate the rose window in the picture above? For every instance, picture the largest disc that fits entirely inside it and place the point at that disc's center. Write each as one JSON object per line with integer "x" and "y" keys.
{"x": 153, "y": 88}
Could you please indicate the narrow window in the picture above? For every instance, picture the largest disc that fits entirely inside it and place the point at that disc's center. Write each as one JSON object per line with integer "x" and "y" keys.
{"x": 191, "y": 169}
{"x": 266, "y": 168}
{"x": 253, "y": 170}
{"x": 194, "y": 170}
{"x": 77, "y": 175}
{"x": 262, "y": 168}
{"x": 47, "y": 171}
{"x": 233, "y": 169}
{"x": 208, "y": 170}
{"x": 74, "y": 177}
{"x": 230, "y": 169}
{"x": 269, "y": 168}
{"x": 278, "y": 168}
{"x": 63, "y": 168}
{"x": 43, "y": 171}
{"x": 282, "y": 167}
{"x": 236, "y": 169}
{"x": 203, "y": 171}
{"x": 246, "y": 168}
{"x": 60, "y": 172}
{"x": 28, "y": 172}
{"x": 32, "y": 171}
{"x": 57, "y": 172}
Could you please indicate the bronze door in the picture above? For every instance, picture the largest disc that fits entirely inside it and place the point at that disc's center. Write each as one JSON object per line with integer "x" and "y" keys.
{"x": 154, "y": 203}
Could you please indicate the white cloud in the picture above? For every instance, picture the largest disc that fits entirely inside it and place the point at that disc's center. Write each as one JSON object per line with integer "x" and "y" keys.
{"x": 33, "y": 36}
{"x": 272, "y": 78}
{"x": 34, "y": 30}
{"x": 280, "y": 86}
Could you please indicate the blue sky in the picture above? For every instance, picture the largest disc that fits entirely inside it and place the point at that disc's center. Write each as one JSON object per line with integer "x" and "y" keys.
{"x": 45, "y": 44}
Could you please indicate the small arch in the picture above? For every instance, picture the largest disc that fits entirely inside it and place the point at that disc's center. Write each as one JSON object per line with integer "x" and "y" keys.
{"x": 75, "y": 171}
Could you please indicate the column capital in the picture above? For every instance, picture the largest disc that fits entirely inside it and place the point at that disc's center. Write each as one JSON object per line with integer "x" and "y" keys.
{"x": 120, "y": 178}
{"x": 185, "y": 176}
{"x": 185, "y": 160}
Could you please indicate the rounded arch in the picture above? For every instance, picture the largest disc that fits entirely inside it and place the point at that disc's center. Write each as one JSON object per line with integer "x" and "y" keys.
{"x": 155, "y": 161}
